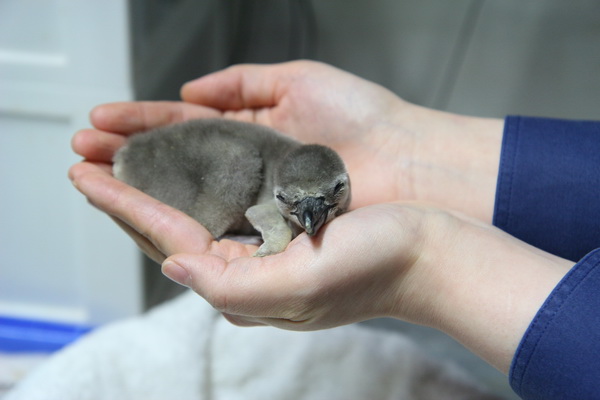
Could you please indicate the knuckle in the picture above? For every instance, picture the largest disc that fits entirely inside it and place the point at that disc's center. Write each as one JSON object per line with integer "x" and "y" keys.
{"x": 155, "y": 222}
{"x": 219, "y": 302}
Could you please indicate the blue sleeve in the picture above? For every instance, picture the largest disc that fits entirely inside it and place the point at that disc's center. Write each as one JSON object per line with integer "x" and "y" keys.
{"x": 548, "y": 191}
{"x": 548, "y": 195}
{"x": 559, "y": 355}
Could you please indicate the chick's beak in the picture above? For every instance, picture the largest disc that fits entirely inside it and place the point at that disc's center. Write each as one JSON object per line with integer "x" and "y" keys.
{"x": 312, "y": 214}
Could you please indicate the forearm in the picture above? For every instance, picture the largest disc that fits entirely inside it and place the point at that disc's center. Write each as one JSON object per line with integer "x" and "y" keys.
{"x": 483, "y": 287}
{"x": 454, "y": 161}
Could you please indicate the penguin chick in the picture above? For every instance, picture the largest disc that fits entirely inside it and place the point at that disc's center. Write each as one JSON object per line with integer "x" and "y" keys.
{"x": 311, "y": 187}
{"x": 239, "y": 178}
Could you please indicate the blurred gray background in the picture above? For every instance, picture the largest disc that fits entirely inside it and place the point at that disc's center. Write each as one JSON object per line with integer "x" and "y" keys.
{"x": 485, "y": 58}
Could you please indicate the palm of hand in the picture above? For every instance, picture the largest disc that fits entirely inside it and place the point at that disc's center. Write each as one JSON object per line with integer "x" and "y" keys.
{"x": 158, "y": 229}
{"x": 316, "y": 103}
{"x": 354, "y": 260}
{"x": 347, "y": 273}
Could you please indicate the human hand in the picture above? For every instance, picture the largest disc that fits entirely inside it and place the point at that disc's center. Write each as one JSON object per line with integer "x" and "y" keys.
{"x": 405, "y": 261}
{"x": 114, "y": 123}
{"x": 159, "y": 230}
{"x": 410, "y": 262}
{"x": 320, "y": 282}
{"x": 317, "y": 109}
{"x": 332, "y": 279}
{"x": 313, "y": 105}
{"x": 394, "y": 150}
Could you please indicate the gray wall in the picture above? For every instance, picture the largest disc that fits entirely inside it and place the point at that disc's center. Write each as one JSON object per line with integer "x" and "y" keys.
{"x": 485, "y": 58}
{"x": 477, "y": 57}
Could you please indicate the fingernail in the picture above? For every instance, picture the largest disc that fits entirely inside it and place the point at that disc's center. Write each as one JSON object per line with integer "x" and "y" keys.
{"x": 176, "y": 273}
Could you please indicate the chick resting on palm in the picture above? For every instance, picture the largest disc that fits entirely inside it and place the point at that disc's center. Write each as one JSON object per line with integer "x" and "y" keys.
{"x": 236, "y": 177}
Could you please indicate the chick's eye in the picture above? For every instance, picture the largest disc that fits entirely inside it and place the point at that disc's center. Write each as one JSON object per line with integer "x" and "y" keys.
{"x": 280, "y": 198}
{"x": 338, "y": 187}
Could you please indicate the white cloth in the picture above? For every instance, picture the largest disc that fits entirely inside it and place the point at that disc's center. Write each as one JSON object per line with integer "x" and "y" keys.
{"x": 184, "y": 350}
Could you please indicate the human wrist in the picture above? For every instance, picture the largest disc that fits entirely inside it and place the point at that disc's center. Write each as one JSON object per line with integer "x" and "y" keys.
{"x": 454, "y": 159}
{"x": 481, "y": 286}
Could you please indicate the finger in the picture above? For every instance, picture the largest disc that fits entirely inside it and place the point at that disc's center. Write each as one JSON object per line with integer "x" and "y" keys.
{"x": 258, "y": 289}
{"x": 142, "y": 242}
{"x": 242, "y": 321}
{"x": 247, "y": 321}
{"x": 132, "y": 117}
{"x": 104, "y": 167}
{"x": 239, "y": 87}
{"x": 97, "y": 145}
{"x": 168, "y": 229}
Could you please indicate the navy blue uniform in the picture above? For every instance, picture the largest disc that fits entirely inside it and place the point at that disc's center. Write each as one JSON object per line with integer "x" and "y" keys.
{"x": 548, "y": 195}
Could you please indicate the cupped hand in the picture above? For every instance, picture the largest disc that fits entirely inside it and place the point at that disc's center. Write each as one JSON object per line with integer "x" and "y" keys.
{"x": 357, "y": 268}
{"x": 394, "y": 150}
{"x": 317, "y": 103}
{"x": 407, "y": 261}
{"x": 312, "y": 102}
{"x": 353, "y": 270}
{"x": 412, "y": 262}
{"x": 159, "y": 230}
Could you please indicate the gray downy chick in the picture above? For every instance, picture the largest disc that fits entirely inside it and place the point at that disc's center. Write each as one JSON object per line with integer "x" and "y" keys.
{"x": 239, "y": 178}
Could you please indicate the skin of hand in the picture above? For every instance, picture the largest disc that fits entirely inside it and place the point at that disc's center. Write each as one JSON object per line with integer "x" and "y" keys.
{"x": 402, "y": 260}
{"x": 394, "y": 150}
{"x": 442, "y": 269}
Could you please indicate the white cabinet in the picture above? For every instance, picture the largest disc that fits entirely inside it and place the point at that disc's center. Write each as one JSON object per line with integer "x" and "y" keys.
{"x": 60, "y": 259}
